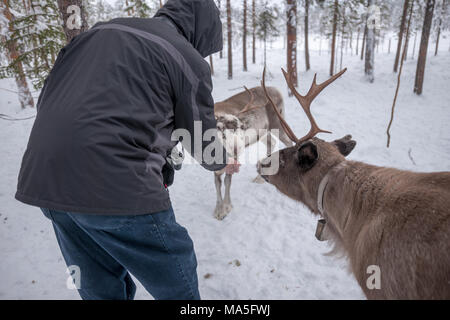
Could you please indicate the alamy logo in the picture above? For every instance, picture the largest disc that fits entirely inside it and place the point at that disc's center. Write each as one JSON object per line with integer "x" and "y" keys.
{"x": 374, "y": 17}
{"x": 74, "y": 280}
{"x": 74, "y": 20}
{"x": 374, "y": 280}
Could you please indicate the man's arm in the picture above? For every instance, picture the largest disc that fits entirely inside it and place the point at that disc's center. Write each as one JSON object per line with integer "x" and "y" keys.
{"x": 194, "y": 111}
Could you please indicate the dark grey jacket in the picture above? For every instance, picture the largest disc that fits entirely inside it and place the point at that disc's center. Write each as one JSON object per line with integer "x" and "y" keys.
{"x": 109, "y": 106}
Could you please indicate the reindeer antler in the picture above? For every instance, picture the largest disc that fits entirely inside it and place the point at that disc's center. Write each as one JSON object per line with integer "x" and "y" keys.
{"x": 305, "y": 102}
{"x": 249, "y": 106}
{"x": 283, "y": 122}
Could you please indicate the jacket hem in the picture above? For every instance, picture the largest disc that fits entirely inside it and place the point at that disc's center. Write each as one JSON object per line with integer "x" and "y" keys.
{"x": 161, "y": 206}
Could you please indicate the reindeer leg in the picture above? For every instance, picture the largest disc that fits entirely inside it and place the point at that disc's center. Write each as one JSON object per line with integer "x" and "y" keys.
{"x": 218, "y": 211}
{"x": 227, "y": 206}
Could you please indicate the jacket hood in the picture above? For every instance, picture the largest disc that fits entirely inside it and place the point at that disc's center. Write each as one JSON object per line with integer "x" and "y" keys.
{"x": 199, "y": 22}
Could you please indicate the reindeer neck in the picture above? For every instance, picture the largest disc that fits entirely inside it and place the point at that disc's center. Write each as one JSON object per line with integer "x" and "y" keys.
{"x": 340, "y": 205}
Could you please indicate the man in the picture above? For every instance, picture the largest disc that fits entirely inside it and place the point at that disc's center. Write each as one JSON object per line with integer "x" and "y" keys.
{"x": 94, "y": 161}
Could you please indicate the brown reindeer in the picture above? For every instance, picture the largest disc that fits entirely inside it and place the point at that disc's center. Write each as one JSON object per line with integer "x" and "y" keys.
{"x": 390, "y": 221}
{"x": 243, "y": 120}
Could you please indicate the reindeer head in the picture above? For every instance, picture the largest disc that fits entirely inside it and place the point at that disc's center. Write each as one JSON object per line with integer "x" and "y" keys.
{"x": 231, "y": 134}
{"x": 231, "y": 128}
{"x": 302, "y": 167}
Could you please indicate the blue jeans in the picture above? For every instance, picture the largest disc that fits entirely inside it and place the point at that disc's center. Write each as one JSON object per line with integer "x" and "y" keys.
{"x": 154, "y": 248}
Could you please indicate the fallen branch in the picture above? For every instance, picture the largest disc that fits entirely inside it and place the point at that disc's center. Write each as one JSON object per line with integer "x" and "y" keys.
{"x": 410, "y": 156}
{"x": 398, "y": 79}
{"x": 9, "y": 118}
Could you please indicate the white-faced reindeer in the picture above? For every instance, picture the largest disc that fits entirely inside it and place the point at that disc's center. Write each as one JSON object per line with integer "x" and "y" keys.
{"x": 235, "y": 116}
{"x": 392, "y": 224}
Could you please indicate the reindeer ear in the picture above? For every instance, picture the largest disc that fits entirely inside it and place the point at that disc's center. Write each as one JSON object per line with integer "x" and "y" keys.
{"x": 307, "y": 155}
{"x": 345, "y": 145}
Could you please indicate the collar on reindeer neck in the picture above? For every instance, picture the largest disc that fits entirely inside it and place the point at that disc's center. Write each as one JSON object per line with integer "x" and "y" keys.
{"x": 321, "y": 224}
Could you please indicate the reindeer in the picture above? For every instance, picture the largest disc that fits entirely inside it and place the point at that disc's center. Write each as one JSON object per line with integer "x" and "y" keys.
{"x": 235, "y": 116}
{"x": 394, "y": 220}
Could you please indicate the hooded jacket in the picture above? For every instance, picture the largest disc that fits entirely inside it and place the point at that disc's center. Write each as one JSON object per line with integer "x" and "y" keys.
{"x": 107, "y": 111}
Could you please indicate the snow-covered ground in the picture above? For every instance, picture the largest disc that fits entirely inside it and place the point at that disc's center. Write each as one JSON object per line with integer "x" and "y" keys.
{"x": 265, "y": 249}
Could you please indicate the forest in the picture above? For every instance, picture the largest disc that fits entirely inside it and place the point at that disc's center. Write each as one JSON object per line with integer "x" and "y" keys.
{"x": 33, "y": 32}
{"x": 393, "y": 99}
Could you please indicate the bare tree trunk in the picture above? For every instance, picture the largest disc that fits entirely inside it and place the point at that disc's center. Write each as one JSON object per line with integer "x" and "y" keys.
{"x": 307, "y": 63}
{"x": 407, "y": 37}
{"x": 291, "y": 12}
{"x": 244, "y": 38}
{"x": 73, "y": 17}
{"x": 265, "y": 52}
{"x": 253, "y": 32}
{"x": 414, "y": 46}
{"x": 439, "y": 28}
{"x": 25, "y": 97}
{"x": 389, "y": 46}
{"x": 333, "y": 41}
{"x": 370, "y": 50}
{"x": 437, "y": 40}
{"x": 357, "y": 42}
{"x": 421, "y": 61}
{"x": 342, "y": 37}
{"x": 388, "y": 131}
{"x": 220, "y": 12}
{"x": 351, "y": 43}
{"x": 211, "y": 64}
{"x": 363, "y": 47}
{"x": 230, "y": 42}
{"x": 320, "y": 44}
{"x": 160, "y": 4}
{"x": 400, "y": 34}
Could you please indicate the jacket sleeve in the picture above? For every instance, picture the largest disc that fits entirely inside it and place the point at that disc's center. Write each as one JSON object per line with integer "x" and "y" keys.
{"x": 194, "y": 113}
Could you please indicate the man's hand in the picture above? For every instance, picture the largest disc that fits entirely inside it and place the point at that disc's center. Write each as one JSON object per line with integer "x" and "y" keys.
{"x": 232, "y": 166}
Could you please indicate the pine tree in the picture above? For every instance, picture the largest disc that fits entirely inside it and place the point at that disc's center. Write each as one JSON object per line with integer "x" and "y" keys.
{"x": 15, "y": 66}
{"x": 138, "y": 8}
{"x": 266, "y": 25}
{"x": 99, "y": 11}
{"x": 37, "y": 35}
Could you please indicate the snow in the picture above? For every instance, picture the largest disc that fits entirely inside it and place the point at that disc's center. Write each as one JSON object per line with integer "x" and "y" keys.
{"x": 265, "y": 248}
